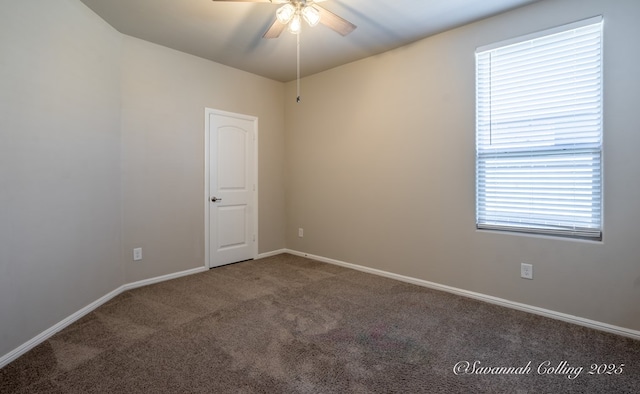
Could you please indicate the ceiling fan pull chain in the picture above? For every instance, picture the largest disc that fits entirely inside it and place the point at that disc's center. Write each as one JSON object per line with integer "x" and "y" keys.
{"x": 298, "y": 67}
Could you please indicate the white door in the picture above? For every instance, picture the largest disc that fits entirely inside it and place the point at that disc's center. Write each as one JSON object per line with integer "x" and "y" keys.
{"x": 232, "y": 187}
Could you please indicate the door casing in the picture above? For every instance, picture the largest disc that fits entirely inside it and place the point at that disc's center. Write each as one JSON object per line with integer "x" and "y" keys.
{"x": 207, "y": 176}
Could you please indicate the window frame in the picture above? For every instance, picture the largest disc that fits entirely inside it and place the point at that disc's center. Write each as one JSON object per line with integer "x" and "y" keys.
{"x": 594, "y": 233}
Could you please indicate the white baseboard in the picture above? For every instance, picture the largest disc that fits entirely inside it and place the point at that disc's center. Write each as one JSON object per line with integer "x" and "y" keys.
{"x": 158, "y": 279}
{"x": 272, "y": 253}
{"x": 22, "y": 349}
{"x": 482, "y": 297}
{"x": 43, "y": 336}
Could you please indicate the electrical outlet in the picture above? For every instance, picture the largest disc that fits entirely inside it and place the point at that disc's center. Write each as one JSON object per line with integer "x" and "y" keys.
{"x": 137, "y": 254}
{"x": 300, "y": 232}
{"x": 526, "y": 271}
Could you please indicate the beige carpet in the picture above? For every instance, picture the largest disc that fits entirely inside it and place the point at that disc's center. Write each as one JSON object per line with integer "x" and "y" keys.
{"x": 292, "y": 325}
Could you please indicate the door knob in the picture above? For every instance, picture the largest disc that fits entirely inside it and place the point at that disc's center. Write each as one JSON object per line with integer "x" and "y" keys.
{"x": 215, "y": 199}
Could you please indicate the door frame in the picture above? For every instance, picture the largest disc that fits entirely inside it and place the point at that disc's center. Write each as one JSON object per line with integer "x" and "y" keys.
{"x": 207, "y": 157}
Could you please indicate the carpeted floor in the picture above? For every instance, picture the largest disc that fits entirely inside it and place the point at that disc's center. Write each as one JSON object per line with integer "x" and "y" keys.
{"x": 286, "y": 324}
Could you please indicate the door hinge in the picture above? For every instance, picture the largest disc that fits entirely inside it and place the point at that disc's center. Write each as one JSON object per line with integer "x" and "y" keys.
{"x": 254, "y": 238}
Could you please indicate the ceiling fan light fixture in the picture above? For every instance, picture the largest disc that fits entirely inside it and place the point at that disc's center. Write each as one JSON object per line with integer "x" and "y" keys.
{"x": 295, "y": 25}
{"x": 311, "y": 15}
{"x": 285, "y": 13}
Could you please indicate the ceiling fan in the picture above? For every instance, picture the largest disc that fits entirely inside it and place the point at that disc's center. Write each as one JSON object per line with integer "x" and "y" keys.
{"x": 292, "y": 12}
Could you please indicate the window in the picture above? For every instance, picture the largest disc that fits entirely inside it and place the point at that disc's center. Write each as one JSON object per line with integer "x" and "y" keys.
{"x": 539, "y": 133}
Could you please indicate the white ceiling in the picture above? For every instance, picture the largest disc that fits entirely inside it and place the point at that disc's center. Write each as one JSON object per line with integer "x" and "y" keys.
{"x": 230, "y": 33}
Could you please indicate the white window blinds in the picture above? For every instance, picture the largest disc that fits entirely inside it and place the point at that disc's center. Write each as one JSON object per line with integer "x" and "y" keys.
{"x": 539, "y": 133}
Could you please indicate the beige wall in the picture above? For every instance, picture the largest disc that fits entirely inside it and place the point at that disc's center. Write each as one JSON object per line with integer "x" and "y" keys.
{"x": 380, "y": 170}
{"x": 164, "y": 95}
{"x": 59, "y": 164}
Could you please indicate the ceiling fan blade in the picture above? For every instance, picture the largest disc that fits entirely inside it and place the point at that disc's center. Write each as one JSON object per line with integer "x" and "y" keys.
{"x": 334, "y": 22}
{"x": 274, "y": 30}
{"x": 257, "y": 1}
